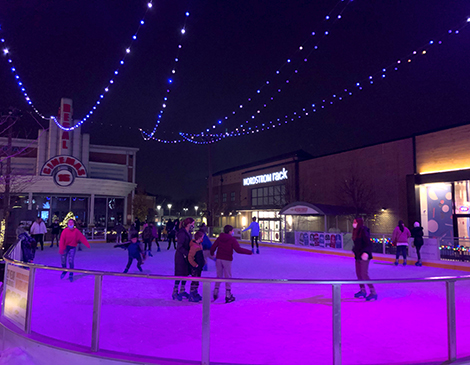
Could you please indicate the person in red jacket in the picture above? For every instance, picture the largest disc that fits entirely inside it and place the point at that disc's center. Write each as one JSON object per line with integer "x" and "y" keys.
{"x": 68, "y": 245}
{"x": 225, "y": 244}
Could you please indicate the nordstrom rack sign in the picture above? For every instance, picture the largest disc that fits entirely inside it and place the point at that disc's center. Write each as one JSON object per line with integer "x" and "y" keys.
{"x": 266, "y": 178}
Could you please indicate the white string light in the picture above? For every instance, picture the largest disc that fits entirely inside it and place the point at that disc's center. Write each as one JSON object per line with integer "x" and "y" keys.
{"x": 105, "y": 89}
{"x": 338, "y": 14}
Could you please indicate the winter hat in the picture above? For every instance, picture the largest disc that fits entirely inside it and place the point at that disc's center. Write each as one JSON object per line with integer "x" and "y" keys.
{"x": 416, "y": 224}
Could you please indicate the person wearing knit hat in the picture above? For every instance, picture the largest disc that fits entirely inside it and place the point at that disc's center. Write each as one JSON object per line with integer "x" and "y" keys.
{"x": 417, "y": 234}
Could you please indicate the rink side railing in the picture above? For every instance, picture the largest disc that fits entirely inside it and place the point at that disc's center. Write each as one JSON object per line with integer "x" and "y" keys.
{"x": 13, "y": 256}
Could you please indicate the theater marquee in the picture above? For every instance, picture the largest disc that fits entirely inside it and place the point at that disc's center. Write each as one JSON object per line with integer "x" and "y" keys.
{"x": 64, "y": 169}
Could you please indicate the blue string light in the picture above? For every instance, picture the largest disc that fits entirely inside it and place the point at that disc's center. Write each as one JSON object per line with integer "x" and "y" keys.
{"x": 105, "y": 89}
{"x": 246, "y": 130}
{"x": 334, "y": 13}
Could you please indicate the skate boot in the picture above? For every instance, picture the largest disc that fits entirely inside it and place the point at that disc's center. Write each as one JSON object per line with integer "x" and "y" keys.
{"x": 182, "y": 295}
{"x": 253, "y": 250}
{"x": 360, "y": 294}
{"x": 140, "y": 268}
{"x": 158, "y": 249}
{"x": 71, "y": 277}
{"x": 229, "y": 299}
{"x": 175, "y": 293}
{"x": 396, "y": 262}
{"x": 404, "y": 262}
{"x": 63, "y": 274}
{"x": 150, "y": 254}
{"x": 257, "y": 250}
{"x": 125, "y": 271}
{"x": 371, "y": 297}
{"x": 216, "y": 294}
{"x": 194, "y": 297}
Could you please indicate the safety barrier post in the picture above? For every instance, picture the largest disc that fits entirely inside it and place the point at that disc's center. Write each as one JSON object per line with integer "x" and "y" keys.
{"x": 29, "y": 304}
{"x": 95, "y": 334}
{"x": 451, "y": 324}
{"x": 336, "y": 324}
{"x": 206, "y": 322}
{"x": 383, "y": 244}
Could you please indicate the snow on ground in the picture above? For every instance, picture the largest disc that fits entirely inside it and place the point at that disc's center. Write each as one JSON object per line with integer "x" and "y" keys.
{"x": 267, "y": 324}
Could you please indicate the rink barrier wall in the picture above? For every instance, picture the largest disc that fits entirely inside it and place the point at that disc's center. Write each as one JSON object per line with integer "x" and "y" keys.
{"x": 27, "y": 337}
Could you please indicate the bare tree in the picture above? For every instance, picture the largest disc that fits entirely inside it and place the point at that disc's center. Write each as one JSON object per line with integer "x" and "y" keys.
{"x": 358, "y": 193}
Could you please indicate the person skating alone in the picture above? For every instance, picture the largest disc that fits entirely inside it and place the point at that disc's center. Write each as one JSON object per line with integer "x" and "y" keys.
{"x": 171, "y": 233}
{"x": 225, "y": 244}
{"x": 400, "y": 239}
{"x": 147, "y": 237}
{"x": 254, "y": 234}
{"x": 69, "y": 240}
{"x": 134, "y": 250}
{"x": 155, "y": 235}
{"x": 181, "y": 258}
{"x": 362, "y": 254}
{"x": 38, "y": 230}
{"x": 55, "y": 231}
{"x": 196, "y": 260}
{"x": 119, "y": 228}
{"x": 417, "y": 234}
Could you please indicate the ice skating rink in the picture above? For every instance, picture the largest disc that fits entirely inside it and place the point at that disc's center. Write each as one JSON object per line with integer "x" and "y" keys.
{"x": 267, "y": 324}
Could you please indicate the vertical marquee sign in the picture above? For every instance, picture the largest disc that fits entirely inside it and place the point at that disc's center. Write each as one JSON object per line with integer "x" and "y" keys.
{"x": 65, "y": 118}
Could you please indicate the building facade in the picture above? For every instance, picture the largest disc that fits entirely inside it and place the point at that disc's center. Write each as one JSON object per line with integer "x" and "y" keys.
{"x": 423, "y": 178}
{"x": 62, "y": 172}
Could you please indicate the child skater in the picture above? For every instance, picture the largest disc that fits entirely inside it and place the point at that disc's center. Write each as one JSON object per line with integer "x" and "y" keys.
{"x": 196, "y": 260}
{"x": 225, "y": 244}
{"x": 135, "y": 251}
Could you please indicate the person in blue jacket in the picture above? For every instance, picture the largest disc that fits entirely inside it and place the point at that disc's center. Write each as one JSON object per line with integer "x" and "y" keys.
{"x": 206, "y": 247}
{"x": 254, "y": 226}
{"x": 135, "y": 251}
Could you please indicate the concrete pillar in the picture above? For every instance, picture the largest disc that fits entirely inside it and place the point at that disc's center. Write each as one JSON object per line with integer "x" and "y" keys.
{"x": 42, "y": 150}
{"x": 91, "y": 219}
{"x": 86, "y": 152}
{"x": 77, "y": 142}
{"x": 124, "y": 216}
{"x": 30, "y": 201}
{"x": 53, "y": 139}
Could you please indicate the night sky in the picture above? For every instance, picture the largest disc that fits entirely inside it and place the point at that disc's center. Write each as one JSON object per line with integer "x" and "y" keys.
{"x": 229, "y": 51}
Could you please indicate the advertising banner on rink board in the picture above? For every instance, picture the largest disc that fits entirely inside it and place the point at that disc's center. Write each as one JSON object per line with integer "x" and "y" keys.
{"x": 16, "y": 295}
{"x": 319, "y": 239}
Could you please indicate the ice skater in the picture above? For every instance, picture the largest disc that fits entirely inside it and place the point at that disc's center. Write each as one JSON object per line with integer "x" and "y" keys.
{"x": 38, "y": 230}
{"x": 254, "y": 234}
{"x": 417, "y": 234}
{"x": 400, "y": 239}
{"x": 55, "y": 231}
{"x": 134, "y": 250}
{"x": 362, "y": 254}
{"x": 69, "y": 239}
{"x": 181, "y": 258}
{"x": 206, "y": 248}
{"x": 225, "y": 244}
{"x": 147, "y": 237}
{"x": 196, "y": 260}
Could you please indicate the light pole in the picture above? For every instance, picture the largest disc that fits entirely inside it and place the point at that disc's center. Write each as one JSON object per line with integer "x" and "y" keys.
{"x": 158, "y": 208}
{"x": 169, "y": 208}
{"x": 196, "y": 208}
{"x": 185, "y": 211}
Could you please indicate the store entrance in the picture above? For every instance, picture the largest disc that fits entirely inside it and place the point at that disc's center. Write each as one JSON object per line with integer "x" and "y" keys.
{"x": 270, "y": 229}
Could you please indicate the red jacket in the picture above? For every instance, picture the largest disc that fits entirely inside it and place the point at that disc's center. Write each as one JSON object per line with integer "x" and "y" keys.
{"x": 71, "y": 237}
{"x": 225, "y": 244}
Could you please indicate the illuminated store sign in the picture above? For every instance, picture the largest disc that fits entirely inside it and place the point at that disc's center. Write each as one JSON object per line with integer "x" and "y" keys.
{"x": 64, "y": 169}
{"x": 266, "y": 178}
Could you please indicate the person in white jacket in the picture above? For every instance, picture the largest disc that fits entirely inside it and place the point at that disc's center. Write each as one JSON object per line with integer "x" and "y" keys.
{"x": 38, "y": 230}
{"x": 254, "y": 227}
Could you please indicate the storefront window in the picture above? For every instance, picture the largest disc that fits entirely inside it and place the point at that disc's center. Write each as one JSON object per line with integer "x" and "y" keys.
{"x": 79, "y": 207}
{"x": 100, "y": 212}
{"x": 270, "y": 195}
{"x": 60, "y": 206}
{"x": 115, "y": 211}
{"x": 436, "y": 209}
{"x": 462, "y": 203}
{"x": 42, "y": 204}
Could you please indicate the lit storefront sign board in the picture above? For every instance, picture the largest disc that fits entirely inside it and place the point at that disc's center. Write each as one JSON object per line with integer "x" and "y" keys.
{"x": 64, "y": 169}
{"x": 266, "y": 178}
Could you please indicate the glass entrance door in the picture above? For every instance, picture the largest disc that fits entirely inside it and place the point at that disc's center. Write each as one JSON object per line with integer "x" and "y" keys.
{"x": 270, "y": 230}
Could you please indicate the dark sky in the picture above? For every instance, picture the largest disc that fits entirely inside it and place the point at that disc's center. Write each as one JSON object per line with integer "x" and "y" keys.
{"x": 230, "y": 49}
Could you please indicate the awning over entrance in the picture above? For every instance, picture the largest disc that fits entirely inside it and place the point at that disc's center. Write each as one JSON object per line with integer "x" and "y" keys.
{"x": 304, "y": 208}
